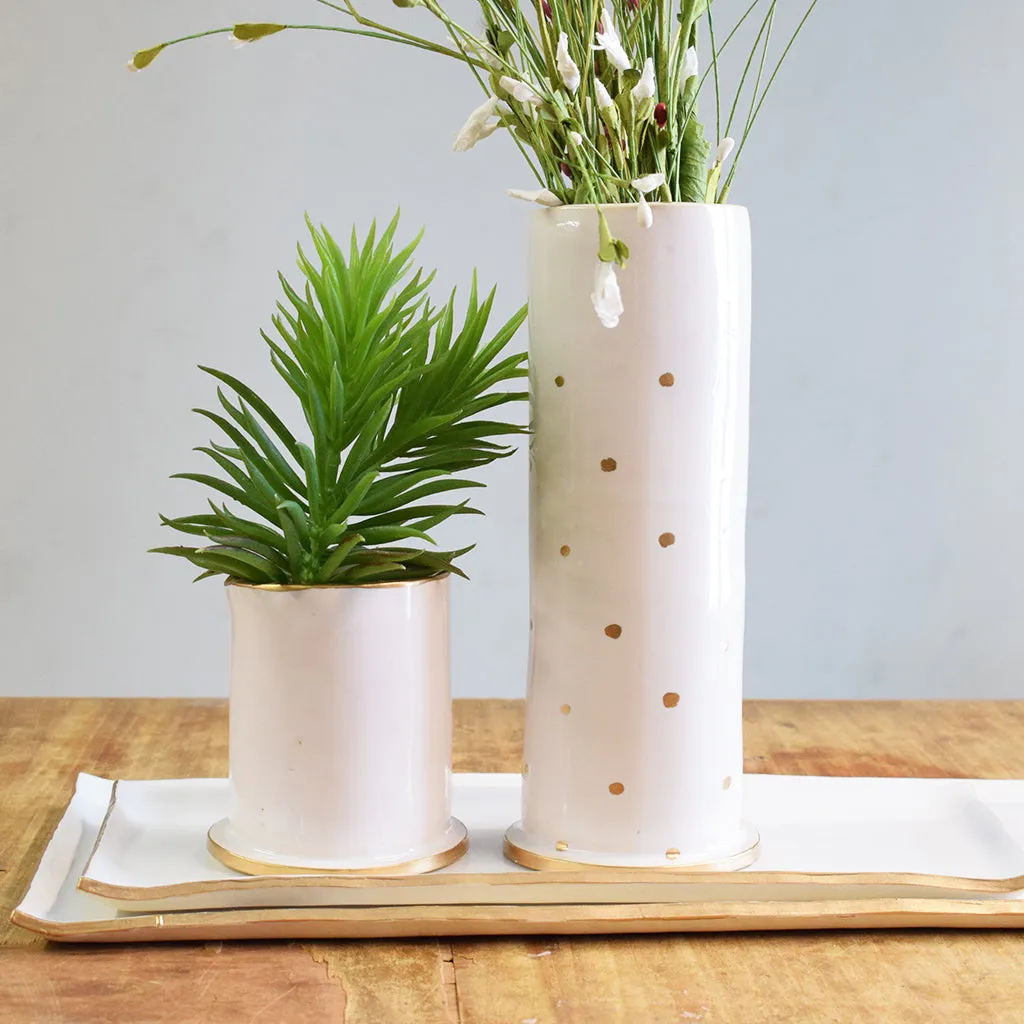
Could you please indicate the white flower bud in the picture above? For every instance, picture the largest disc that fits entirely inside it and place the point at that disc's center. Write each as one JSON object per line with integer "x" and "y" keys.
{"x": 606, "y": 297}
{"x": 648, "y": 183}
{"x": 690, "y": 65}
{"x": 644, "y": 216}
{"x": 608, "y": 40}
{"x": 520, "y": 90}
{"x": 604, "y": 100}
{"x": 476, "y": 126}
{"x": 485, "y": 53}
{"x": 566, "y": 65}
{"x": 644, "y": 89}
{"x": 725, "y": 147}
{"x": 542, "y": 196}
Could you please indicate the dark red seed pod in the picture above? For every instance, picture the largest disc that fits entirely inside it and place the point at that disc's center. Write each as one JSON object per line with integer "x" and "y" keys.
{"x": 634, "y": 4}
{"x": 661, "y": 115}
{"x": 565, "y": 169}
{"x": 546, "y": 8}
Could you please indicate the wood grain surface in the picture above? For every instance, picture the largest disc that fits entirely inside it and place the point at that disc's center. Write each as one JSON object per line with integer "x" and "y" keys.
{"x": 908, "y": 977}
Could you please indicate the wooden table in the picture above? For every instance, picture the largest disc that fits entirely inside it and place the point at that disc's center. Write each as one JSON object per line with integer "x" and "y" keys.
{"x": 908, "y": 977}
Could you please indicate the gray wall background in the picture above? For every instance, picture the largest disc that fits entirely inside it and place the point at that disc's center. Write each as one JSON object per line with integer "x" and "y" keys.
{"x": 143, "y": 218}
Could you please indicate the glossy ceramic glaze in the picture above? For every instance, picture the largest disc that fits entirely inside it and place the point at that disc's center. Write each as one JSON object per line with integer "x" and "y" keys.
{"x": 822, "y": 839}
{"x": 340, "y": 737}
{"x": 633, "y": 748}
{"x": 813, "y": 825}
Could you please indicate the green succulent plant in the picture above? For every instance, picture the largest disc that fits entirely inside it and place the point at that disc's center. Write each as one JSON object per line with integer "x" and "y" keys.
{"x": 394, "y": 394}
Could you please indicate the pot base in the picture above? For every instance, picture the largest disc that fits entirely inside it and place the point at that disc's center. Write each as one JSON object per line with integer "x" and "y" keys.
{"x": 546, "y": 856}
{"x": 224, "y": 844}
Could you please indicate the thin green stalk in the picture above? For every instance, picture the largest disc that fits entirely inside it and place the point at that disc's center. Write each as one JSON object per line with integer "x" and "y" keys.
{"x": 405, "y": 39}
{"x": 721, "y": 49}
{"x": 199, "y": 35}
{"x": 398, "y": 34}
{"x": 333, "y": 7}
{"x": 760, "y": 69}
{"x": 757, "y": 109}
{"x": 765, "y": 26}
{"x": 714, "y": 65}
{"x": 422, "y": 44}
{"x": 664, "y": 17}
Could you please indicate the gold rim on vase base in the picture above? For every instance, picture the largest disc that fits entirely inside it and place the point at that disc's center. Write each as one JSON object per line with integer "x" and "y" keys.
{"x": 544, "y": 862}
{"x": 419, "y": 866}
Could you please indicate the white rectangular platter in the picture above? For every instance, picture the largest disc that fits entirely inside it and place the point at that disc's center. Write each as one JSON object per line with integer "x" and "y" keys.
{"x": 836, "y": 853}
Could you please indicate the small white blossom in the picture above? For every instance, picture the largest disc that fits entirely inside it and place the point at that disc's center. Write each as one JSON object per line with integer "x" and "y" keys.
{"x": 131, "y": 65}
{"x": 644, "y": 216}
{"x": 478, "y": 126}
{"x": 608, "y": 40}
{"x": 521, "y": 91}
{"x": 607, "y": 298}
{"x": 237, "y": 44}
{"x": 644, "y": 89}
{"x": 566, "y": 65}
{"x": 648, "y": 183}
{"x": 604, "y": 100}
{"x": 690, "y": 65}
{"x": 485, "y": 54}
{"x": 577, "y": 139}
{"x": 543, "y": 196}
{"x": 725, "y": 147}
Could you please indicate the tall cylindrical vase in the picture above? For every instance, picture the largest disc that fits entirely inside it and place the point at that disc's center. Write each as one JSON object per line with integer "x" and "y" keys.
{"x": 634, "y": 743}
{"x": 340, "y": 730}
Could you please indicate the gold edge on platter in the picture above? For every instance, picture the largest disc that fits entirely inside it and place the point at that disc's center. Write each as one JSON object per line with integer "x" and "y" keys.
{"x": 491, "y": 919}
{"x": 99, "y": 834}
{"x": 569, "y": 875}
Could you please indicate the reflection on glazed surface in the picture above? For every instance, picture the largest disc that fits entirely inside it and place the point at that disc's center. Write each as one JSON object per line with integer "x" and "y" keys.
{"x": 340, "y": 731}
{"x": 638, "y": 501}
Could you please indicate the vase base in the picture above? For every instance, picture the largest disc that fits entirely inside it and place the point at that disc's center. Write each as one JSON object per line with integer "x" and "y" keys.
{"x": 226, "y": 847}
{"x": 522, "y": 849}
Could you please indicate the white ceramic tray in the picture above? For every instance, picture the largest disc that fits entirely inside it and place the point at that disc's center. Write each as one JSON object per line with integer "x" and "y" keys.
{"x": 842, "y": 853}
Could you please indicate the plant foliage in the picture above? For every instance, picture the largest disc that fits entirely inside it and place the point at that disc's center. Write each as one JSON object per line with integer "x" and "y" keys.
{"x": 642, "y": 54}
{"x": 397, "y": 398}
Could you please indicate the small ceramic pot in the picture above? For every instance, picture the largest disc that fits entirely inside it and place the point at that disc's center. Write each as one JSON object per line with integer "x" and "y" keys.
{"x": 634, "y": 732}
{"x": 341, "y": 730}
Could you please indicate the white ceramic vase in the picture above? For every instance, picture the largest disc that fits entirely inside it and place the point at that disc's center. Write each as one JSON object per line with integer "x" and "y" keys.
{"x": 634, "y": 738}
{"x": 341, "y": 730}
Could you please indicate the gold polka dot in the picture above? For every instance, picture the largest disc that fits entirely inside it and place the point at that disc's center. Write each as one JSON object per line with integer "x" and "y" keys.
{"x": 609, "y": 465}
{"x": 525, "y": 770}
{"x": 565, "y": 709}
{"x": 561, "y": 845}
{"x": 666, "y": 380}
{"x": 564, "y": 550}
{"x": 559, "y": 381}
{"x": 614, "y": 631}
{"x": 672, "y": 853}
{"x": 670, "y": 699}
{"x": 616, "y": 788}
{"x": 666, "y": 540}
{"x": 727, "y": 782}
